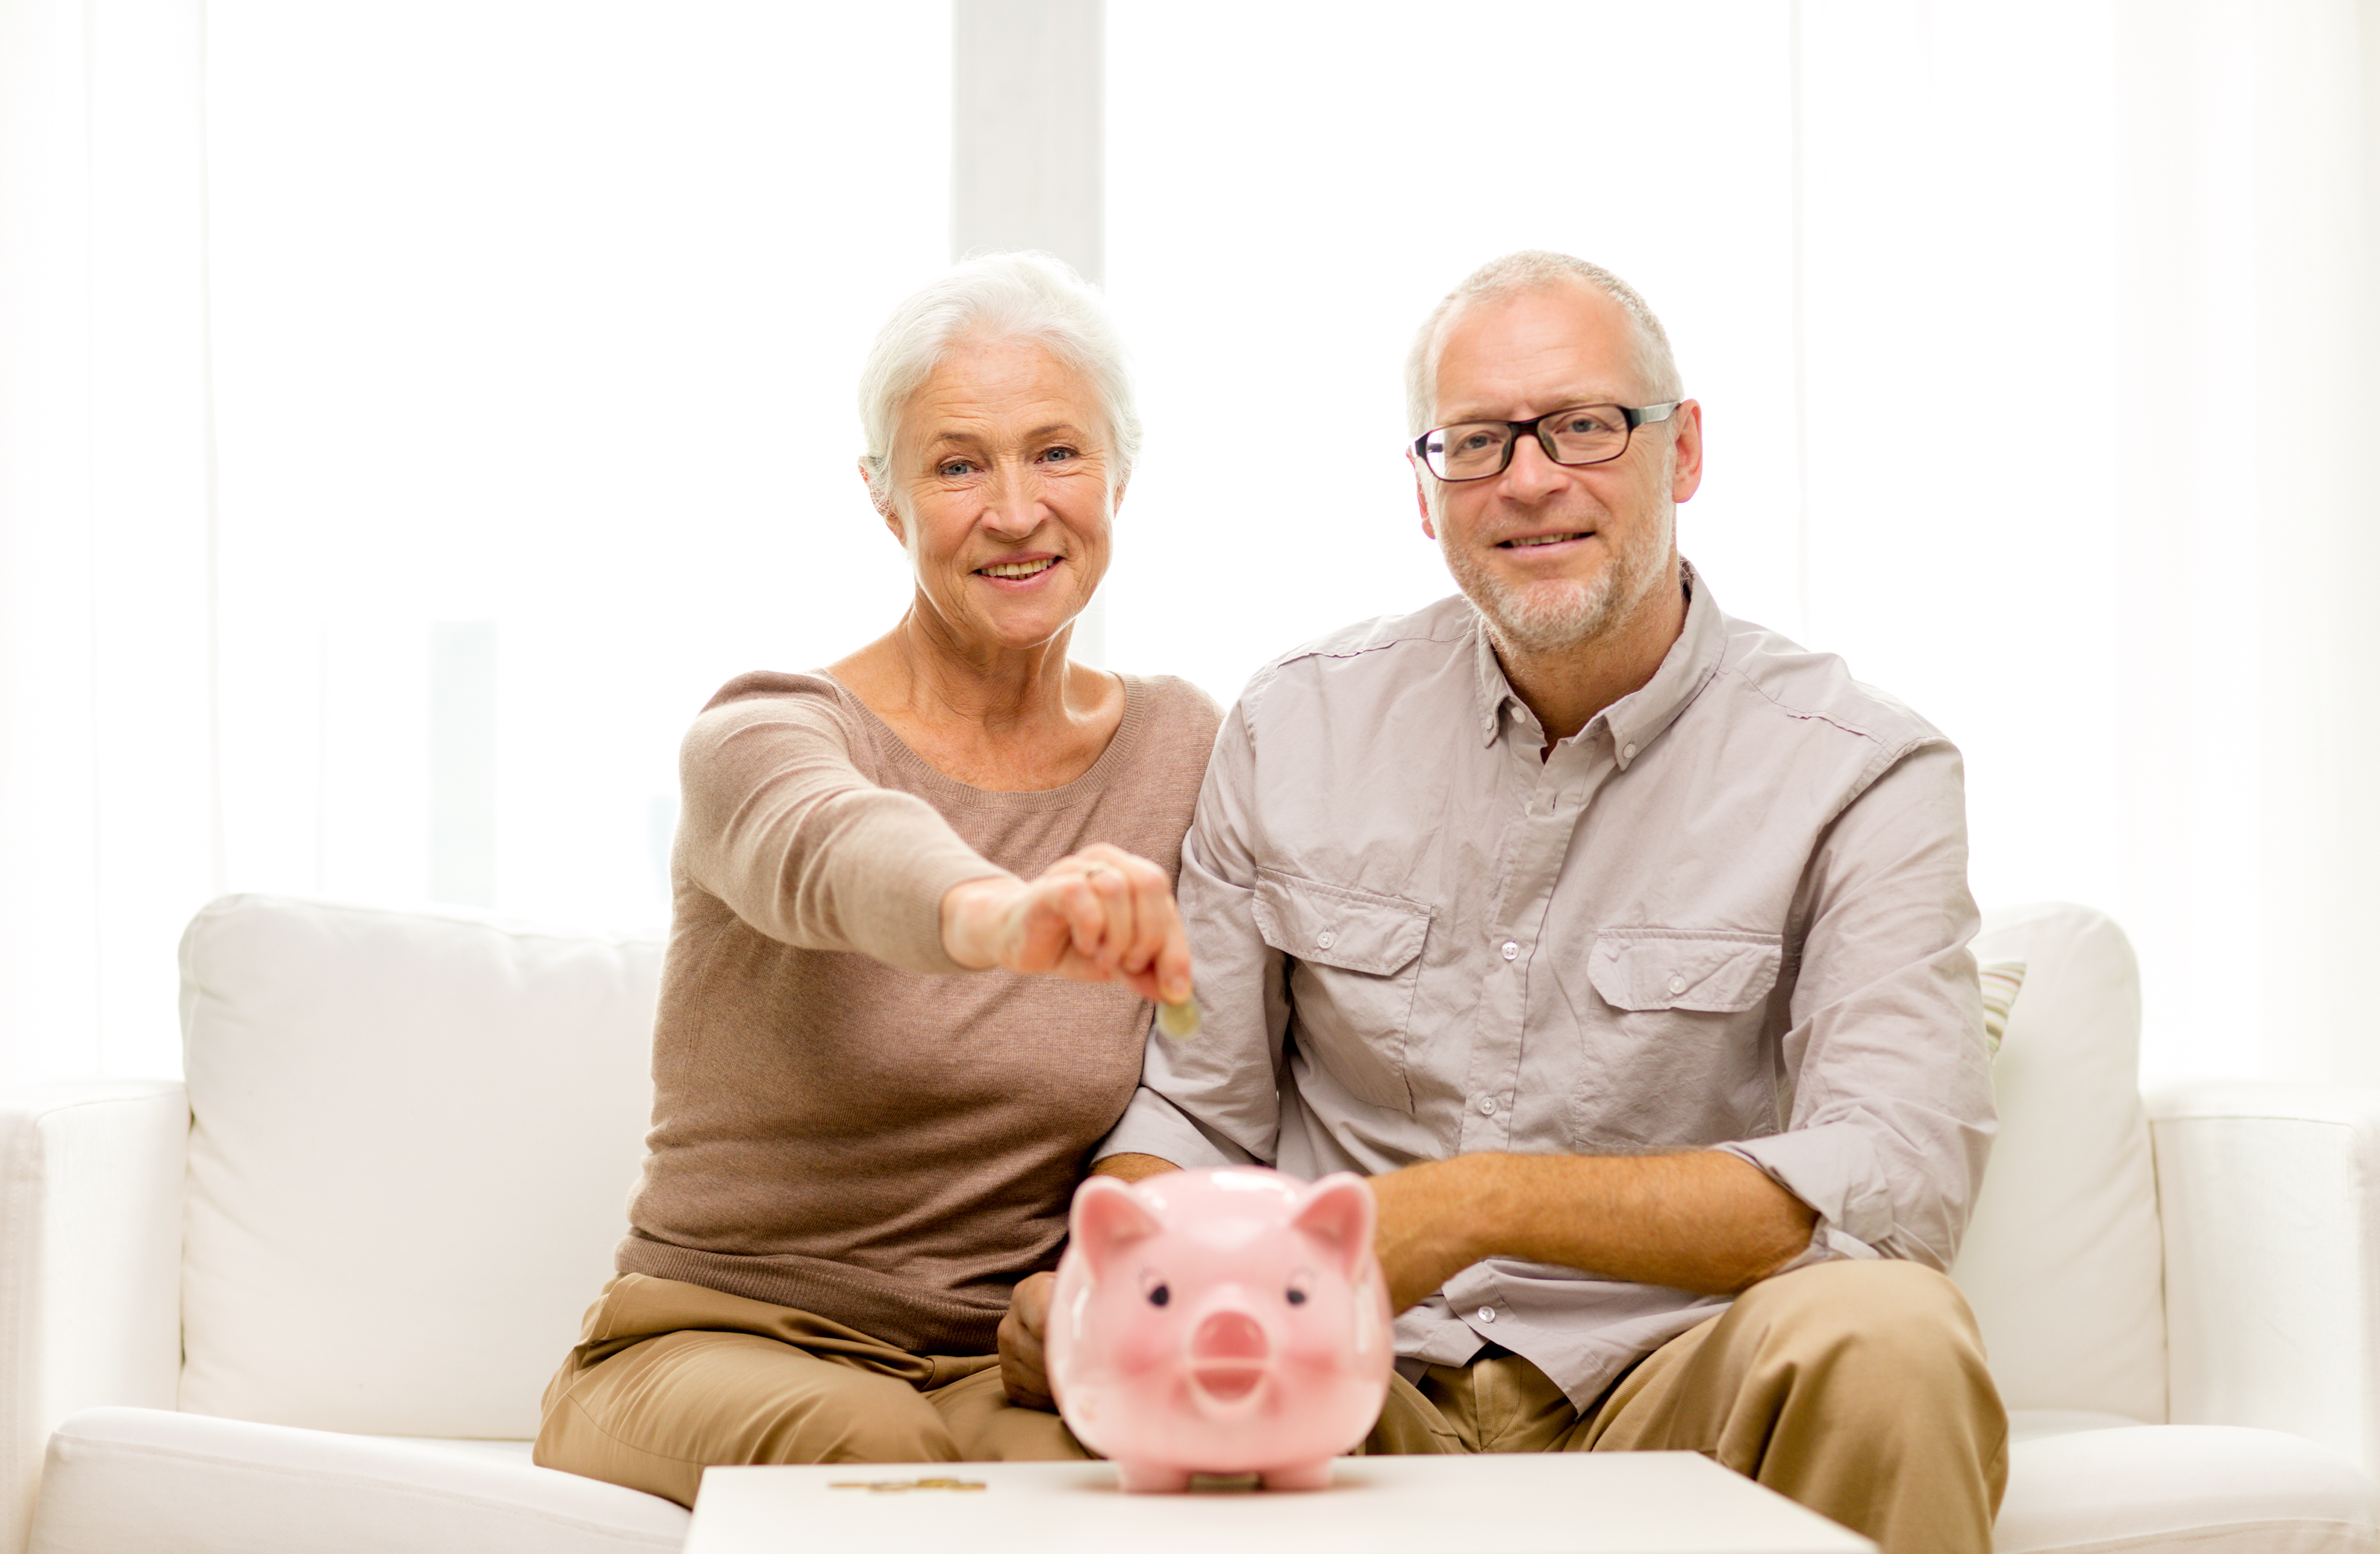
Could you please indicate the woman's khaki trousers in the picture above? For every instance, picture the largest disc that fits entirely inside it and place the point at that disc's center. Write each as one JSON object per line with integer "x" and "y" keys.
{"x": 668, "y": 1377}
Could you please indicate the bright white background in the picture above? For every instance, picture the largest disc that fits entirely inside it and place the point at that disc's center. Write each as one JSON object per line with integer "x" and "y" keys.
{"x": 543, "y": 315}
{"x": 2033, "y": 338}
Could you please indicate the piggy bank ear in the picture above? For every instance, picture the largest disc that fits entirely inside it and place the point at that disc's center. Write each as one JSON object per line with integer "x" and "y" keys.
{"x": 1337, "y": 1214}
{"x": 1109, "y": 1218}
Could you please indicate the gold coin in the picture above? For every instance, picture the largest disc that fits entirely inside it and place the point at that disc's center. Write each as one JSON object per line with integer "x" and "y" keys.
{"x": 1180, "y": 1021}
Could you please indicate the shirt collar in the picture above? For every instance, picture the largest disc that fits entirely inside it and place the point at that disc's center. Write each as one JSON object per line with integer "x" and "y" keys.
{"x": 1494, "y": 691}
{"x": 1638, "y": 717}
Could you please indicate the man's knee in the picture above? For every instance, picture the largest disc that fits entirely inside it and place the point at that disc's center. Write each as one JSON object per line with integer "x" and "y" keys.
{"x": 1875, "y": 1331}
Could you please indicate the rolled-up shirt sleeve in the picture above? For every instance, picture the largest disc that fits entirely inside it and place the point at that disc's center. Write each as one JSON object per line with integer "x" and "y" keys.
{"x": 1214, "y": 1099}
{"x": 1891, "y": 1114}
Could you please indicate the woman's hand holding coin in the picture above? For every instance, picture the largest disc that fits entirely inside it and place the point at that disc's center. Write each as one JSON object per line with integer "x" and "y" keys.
{"x": 1101, "y": 915}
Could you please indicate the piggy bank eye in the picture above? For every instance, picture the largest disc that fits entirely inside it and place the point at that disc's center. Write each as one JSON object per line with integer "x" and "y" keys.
{"x": 1297, "y": 1283}
{"x": 1158, "y": 1295}
{"x": 1153, "y": 1286}
{"x": 1296, "y": 1295}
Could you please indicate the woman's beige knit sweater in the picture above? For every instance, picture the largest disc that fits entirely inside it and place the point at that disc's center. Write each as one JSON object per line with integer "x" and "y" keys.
{"x": 843, "y": 1120}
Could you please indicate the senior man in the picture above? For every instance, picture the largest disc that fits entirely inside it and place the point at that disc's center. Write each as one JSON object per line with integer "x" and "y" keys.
{"x": 1622, "y": 944}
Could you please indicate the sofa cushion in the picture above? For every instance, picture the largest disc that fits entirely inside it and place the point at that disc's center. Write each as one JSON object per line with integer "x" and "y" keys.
{"x": 127, "y": 1479}
{"x": 412, "y": 1139}
{"x": 2063, "y": 1260}
{"x": 2081, "y": 1485}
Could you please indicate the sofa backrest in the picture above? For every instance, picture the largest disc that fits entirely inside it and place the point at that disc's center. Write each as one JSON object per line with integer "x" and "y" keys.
{"x": 413, "y": 1136}
{"x": 2063, "y": 1260}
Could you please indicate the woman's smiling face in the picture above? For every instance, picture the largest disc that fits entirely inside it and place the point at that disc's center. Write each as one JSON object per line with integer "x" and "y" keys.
{"x": 1002, "y": 474}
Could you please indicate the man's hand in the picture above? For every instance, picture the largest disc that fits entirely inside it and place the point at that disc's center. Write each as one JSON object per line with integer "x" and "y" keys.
{"x": 1101, "y": 915}
{"x": 1702, "y": 1221}
{"x": 1133, "y": 1168}
{"x": 1024, "y": 1368}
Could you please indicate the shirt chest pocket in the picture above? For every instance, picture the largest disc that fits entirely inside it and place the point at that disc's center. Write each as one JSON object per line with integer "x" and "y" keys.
{"x": 1678, "y": 1060}
{"x": 1645, "y": 969}
{"x": 1355, "y": 957}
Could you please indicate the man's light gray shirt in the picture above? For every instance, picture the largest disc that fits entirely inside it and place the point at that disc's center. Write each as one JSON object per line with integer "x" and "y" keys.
{"x": 1729, "y": 913}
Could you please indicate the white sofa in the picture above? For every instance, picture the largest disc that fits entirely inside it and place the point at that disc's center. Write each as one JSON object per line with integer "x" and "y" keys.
{"x": 308, "y": 1302}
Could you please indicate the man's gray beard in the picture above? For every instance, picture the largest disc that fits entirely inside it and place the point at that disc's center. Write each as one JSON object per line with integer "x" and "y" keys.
{"x": 1552, "y": 617}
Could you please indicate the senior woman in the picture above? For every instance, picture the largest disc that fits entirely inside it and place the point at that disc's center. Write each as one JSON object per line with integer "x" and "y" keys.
{"x": 922, "y": 900}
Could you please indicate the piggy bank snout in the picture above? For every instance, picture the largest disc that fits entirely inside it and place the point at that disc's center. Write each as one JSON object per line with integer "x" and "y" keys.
{"x": 1232, "y": 1336}
{"x": 1229, "y": 1352}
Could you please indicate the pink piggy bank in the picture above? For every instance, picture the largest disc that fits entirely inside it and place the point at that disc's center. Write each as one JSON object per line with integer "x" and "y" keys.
{"x": 1225, "y": 1321}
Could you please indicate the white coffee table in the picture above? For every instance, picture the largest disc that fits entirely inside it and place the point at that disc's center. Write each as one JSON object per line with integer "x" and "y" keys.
{"x": 1613, "y": 1503}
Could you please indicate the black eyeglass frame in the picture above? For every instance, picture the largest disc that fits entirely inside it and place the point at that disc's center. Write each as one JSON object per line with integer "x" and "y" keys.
{"x": 1634, "y": 415}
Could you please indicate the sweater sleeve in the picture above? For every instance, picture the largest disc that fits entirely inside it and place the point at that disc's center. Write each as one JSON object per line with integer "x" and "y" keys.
{"x": 779, "y": 822}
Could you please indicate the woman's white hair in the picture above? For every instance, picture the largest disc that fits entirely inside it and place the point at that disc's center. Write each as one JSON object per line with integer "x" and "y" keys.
{"x": 1531, "y": 270}
{"x": 995, "y": 296}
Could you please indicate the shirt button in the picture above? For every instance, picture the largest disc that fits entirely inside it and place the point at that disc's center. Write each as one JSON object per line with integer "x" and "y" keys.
{"x": 1627, "y": 752}
{"x": 1512, "y": 950}
{"x": 1486, "y": 1313}
{"x": 1677, "y": 984}
{"x": 1326, "y": 939}
{"x": 1487, "y": 1106}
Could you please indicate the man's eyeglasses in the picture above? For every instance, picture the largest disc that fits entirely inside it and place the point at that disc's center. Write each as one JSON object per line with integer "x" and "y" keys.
{"x": 1582, "y": 434}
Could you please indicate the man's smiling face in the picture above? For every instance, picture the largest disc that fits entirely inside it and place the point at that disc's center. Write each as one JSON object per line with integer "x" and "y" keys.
{"x": 1556, "y": 556}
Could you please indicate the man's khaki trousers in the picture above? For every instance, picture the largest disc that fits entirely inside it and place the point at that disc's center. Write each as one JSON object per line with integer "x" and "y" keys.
{"x": 1855, "y": 1387}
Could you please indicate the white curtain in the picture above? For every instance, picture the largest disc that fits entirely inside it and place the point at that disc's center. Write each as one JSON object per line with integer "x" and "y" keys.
{"x": 2090, "y": 349}
{"x": 107, "y": 839}
{"x": 538, "y": 328}
{"x": 2036, "y": 341}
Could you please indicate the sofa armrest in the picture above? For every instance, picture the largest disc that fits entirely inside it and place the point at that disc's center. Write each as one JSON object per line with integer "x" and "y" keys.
{"x": 90, "y": 1255}
{"x": 2269, "y": 1195}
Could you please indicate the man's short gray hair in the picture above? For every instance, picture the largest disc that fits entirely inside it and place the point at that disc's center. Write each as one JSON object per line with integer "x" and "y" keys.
{"x": 995, "y": 296}
{"x": 1533, "y": 270}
